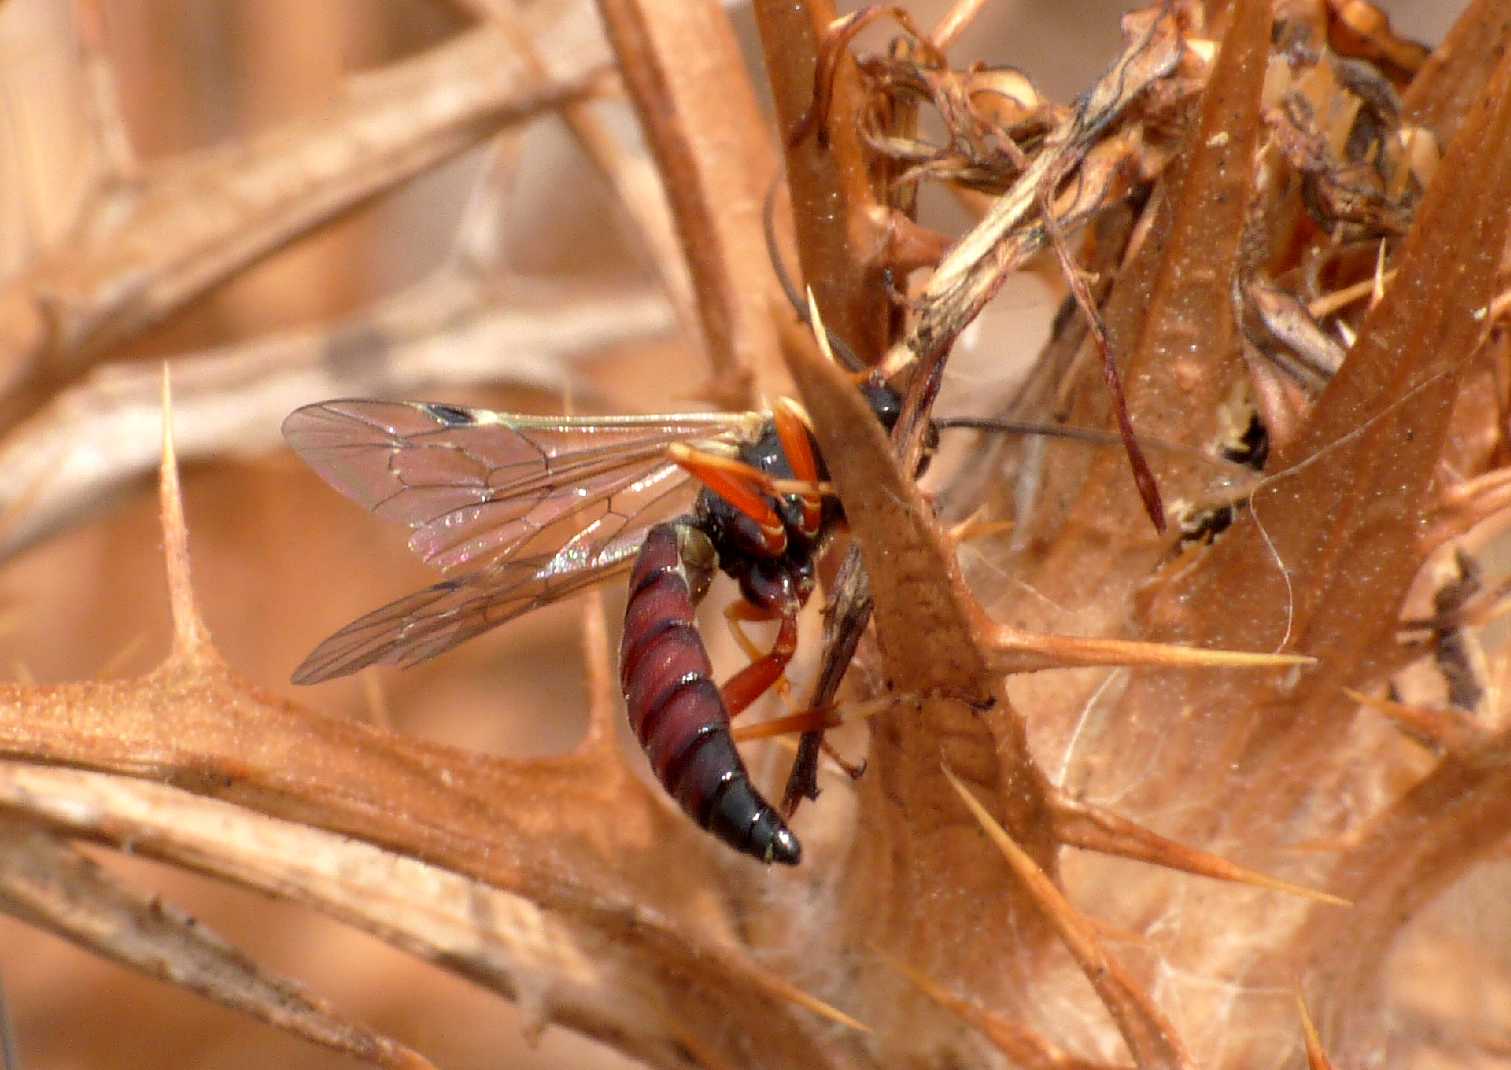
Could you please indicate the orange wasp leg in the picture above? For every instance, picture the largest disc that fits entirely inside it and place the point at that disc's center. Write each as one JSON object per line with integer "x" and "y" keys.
{"x": 753, "y": 681}
{"x": 792, "y": 433}
{"x": 735, "y": 612}
{"x": 739, "y": 484}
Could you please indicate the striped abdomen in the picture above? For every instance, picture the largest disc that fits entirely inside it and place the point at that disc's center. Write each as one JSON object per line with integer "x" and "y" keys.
{"x": 674, "y": 705}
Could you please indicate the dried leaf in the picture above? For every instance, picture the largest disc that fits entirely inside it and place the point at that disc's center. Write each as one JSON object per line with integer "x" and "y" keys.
{"x": 1320, "y": 565}
{"x": 972, "y": 273}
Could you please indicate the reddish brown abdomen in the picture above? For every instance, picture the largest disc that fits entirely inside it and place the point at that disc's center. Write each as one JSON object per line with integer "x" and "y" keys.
{"x": 677, "y": 713}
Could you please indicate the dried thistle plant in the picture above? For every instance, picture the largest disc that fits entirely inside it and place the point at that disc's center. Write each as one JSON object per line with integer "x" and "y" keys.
{"x": 1282, "y": 230}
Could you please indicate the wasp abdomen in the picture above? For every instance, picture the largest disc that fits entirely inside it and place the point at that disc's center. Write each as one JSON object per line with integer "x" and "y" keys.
{"x": 674, "y": 705}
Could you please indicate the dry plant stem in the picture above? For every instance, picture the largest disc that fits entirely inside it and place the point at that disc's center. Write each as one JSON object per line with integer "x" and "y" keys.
{"x": 630, "y": 173}
{"x": 501, "y": 940}
{"x": 629, "y": 894}
{"x": 551, "y": 965}
{"x": 1453, "y": 819}
{"x": 49, "y": 884}
{"x": 1078, "y": 824}
{"x": 973, "y": 272}
{"x": 682, "y": 66}
{"x": 146, "y": 249}
{"x": 1023, "y": 1046}
{"x": 1358, "y": 475}
{"x": 834, "y": 205}
{"x": 919, "y": 847}
{"x": 443, "y": 334}
{"x": 1150, "y": 1037}
{"x": 955, "y": 22}
{"x": 1439, "y": 96}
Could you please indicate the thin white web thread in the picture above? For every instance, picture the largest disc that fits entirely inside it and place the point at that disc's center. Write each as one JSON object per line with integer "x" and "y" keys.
{"x": 1299, "y": 466}
{"x": 1086, "y": 710}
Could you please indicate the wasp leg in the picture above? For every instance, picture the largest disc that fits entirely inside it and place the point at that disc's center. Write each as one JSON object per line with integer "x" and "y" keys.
{"x": 853, "y": 770}
{"x": 739, "y": 484}
{"x": 792, "y": 431}
{"x": 736, "y": 612}
{"x": 753, "y": 681}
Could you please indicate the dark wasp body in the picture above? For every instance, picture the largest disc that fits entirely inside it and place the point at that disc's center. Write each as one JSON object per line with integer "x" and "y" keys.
{"x": 540, "y": 507}
{"x": 680, "y": 717}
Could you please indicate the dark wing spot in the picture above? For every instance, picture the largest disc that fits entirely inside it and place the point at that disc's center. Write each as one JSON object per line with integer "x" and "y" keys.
{"x": 450, "y": 415}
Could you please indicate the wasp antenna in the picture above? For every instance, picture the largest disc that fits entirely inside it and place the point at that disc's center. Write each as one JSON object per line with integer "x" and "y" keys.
{"x": 1026, "y": 427}
{"x": 847, "y": 356}
{"x": 1091, "y": 436}
{"x": 774, "y": 250}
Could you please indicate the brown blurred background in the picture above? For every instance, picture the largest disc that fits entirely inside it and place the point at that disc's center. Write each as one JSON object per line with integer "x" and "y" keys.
{"x": 279, "y": 560}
